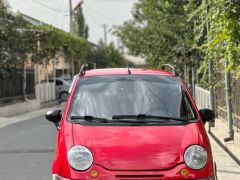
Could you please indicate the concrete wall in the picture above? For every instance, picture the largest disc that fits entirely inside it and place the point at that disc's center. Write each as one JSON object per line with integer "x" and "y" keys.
{"x": 19, "y": 108}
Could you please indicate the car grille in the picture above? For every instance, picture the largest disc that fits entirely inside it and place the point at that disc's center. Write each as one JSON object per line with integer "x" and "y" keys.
{"x": 135, "y": 176}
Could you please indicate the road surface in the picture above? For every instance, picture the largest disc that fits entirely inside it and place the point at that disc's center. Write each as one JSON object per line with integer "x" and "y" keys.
{"x": 27, "y": 150}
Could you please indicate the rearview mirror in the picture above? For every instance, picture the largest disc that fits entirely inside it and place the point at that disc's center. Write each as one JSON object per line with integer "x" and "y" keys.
{"x": 54, "y": 116}
{"x": 207, "y": 115}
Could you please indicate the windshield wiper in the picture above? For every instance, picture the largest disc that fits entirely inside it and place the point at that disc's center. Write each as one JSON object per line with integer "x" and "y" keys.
{"x": 89, "y": 118}
{"x": 147, "y": 116}
{"x": 139, "y": 119}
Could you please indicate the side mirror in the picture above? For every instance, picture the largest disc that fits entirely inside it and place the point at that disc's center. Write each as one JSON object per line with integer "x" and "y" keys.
{"x": 54, "y": 116}
{"x": 207, "y": 115}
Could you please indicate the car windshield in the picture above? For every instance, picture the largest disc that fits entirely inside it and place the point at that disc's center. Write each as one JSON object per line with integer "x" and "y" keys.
{"x": 129, "y": 95}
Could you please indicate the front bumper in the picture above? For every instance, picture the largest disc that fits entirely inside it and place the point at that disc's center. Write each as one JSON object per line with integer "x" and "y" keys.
{"x": 171, "y": 174}
{"x": 57, "y": 177}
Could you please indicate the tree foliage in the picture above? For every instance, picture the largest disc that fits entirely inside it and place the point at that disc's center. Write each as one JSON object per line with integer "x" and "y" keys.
{"x": 15, "y": 43}
{"x": 179, "y": 31}
{"x": 106, "y": 56}
{"x": 217, "y": 32}
{"x": 53, "y": 40}
{"x": 224, "y": 34}
{"x": 19, "y": 39}
{"x": 158, "y": 32}
{"x": 81, "y": 26}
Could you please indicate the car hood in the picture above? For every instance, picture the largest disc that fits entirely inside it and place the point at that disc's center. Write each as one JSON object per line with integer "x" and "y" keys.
{"x": 136, "y": 147}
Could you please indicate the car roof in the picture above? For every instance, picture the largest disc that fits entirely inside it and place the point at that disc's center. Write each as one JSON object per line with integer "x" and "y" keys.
{"x": 119, "y": 71}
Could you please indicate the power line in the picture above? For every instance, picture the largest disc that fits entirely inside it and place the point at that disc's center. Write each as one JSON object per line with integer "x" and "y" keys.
{"x": 48, "y": 7}
{"x": 100, "y": 14}
{"x": 49, "y": 3}
{"x": 92, "y": 19}
{"x": 57, "y": 13}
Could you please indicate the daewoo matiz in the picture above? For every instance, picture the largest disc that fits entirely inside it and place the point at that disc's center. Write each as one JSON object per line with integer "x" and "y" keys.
{"x": 131, "y": 124}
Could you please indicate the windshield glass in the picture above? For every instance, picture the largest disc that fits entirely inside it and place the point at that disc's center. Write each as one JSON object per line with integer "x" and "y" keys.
{"x": 108, "y": 96}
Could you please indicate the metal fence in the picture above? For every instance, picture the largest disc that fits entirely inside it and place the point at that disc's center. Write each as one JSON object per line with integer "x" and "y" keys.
{"x": 11, "y": 87}
{"x": 220, "y": 98}
{"x": 202, "y": 99}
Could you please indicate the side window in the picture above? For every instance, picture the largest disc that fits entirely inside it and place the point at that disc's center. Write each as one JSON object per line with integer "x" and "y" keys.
{"x": 58, "y": 83}
{"x": 186, "y": 108}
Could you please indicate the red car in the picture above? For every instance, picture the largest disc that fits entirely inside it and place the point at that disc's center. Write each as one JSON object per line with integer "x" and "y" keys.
{"x": 129, "y": 124}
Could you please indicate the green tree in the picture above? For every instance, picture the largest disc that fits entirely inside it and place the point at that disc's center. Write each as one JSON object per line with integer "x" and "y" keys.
{"x": 160, "y": 32}
{"x": 106, "y": 56}
{"x": 81, "y": 26}
{"x": 224, "y": 33}
{"x": 5, "y": 31}
{"x": 53, "y": 40}
{"x": 18, "y": 43}
{"x": 216, "y": 34}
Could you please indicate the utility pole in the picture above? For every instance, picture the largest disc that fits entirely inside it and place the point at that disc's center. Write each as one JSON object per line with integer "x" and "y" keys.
{"x": 229, "y": 104}
{"x": 186, "y": 74}
{"x": 193, "y": 77}
{"x": 78, "y": 6}
{"x": 71, "y": 28}
{"x": 76, "y": 9}
{"x": 105, "y": 33}
{"x": 210, "y": 69}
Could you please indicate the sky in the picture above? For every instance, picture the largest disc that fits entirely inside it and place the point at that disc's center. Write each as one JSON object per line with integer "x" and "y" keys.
{"x": 96, "y": 12}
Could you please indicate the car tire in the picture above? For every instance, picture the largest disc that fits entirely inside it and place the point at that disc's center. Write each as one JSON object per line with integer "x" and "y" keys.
{"x": 63, "y": 96}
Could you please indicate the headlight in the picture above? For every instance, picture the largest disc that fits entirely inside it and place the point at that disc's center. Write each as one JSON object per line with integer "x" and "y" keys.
{"x": 195, "y": 157}
{"x": 80, "y": 158}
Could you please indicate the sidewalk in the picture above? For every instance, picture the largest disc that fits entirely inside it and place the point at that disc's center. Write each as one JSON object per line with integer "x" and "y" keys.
{"x": 23, "y": 117}
{"x": 220, "y": 131}
{"x": 227, "y": 168}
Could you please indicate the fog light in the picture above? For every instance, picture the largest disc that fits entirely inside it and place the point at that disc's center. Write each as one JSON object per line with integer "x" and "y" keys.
{"x": 94, "y": 173}
{"x": 184, "y": 172}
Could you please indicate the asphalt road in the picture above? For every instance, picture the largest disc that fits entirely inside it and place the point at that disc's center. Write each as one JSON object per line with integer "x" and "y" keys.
{"x": 27, "y": 150}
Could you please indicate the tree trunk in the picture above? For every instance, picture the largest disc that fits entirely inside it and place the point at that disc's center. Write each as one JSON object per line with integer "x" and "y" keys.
{"x": 193, "y": 79}
{"x": 54, "y": 76}
{"x": 24, "y": 82}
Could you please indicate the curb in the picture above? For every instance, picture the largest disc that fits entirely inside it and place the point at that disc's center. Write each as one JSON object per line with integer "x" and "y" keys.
{"x": 49, "y": 104}
{"x": 29, "y": 115}
{"x": 225, "y": 148}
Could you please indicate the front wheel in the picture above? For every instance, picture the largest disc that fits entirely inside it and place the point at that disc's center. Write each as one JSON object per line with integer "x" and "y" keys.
{"x": 63, "y": 96}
